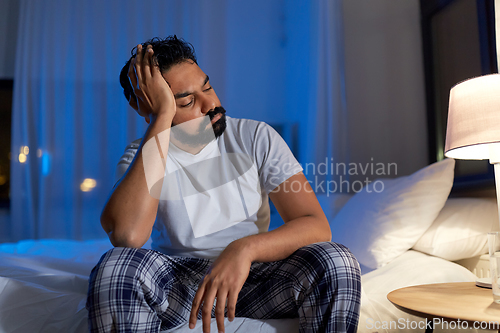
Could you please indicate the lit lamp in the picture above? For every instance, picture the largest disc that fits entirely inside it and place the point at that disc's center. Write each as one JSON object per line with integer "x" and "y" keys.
{"x": 473, "y": 133}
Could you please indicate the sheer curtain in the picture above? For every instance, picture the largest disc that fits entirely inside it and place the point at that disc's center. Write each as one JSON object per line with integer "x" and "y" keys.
{"x": 71, "y": 122}
{"x": 316, "y": 89}
{"x": 327, "y": 117}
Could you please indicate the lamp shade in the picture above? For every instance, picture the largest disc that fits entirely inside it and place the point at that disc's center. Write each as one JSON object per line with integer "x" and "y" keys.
{"x": 474, "y": 119}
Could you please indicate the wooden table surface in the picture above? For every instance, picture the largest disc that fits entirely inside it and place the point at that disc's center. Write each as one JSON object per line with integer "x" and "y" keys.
{"x": 460, "y": 300}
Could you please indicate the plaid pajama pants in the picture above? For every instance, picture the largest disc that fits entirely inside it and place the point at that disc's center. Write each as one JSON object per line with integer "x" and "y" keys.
{"x": 138, "y": 290}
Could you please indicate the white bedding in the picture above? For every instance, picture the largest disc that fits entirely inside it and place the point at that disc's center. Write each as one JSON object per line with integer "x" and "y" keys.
{"x": 411, "y": 268}
{"x": 43, "y": 286}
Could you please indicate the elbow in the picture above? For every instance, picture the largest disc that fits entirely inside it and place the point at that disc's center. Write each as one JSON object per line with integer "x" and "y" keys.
{"x": 326, "y": 231}
{"x": 328, "y": 234}
{"x": 120, "y": 236}
{"x": 325, "y": 234}
{"x": 120, "y": 239}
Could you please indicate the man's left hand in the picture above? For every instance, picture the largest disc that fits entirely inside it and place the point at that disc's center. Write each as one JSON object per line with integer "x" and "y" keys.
{"x": 224, "y": 280}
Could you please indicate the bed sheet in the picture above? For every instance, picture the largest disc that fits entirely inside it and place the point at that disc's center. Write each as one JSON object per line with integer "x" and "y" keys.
{"x": 43, "y": 286}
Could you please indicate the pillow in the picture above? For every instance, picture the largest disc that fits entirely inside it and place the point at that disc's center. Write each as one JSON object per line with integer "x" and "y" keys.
{"x": 460, "y": 229}
{"x": 388, "y": 216}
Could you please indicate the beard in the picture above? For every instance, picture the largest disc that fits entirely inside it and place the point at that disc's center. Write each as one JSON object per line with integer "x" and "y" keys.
{"x": 204, "y": 135}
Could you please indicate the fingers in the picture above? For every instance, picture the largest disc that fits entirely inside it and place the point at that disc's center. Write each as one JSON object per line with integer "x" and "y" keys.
{"x": 206, "y": 296}
{"x": 137, "y": 74}
{"x": 195, "y": 308}
{"x": 144, "y": 62}
{"x": 219, "y": 309}
{"x": 154, "y": 68}
{"x": 138, "y": 63}
{"x": 147, "y": 62}
{"x": 206, "y": 312}
{"x": 131, "y": 74}
{"x": 231, "y": 305}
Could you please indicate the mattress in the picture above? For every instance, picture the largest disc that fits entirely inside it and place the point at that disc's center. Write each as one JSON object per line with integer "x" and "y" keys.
{"x": 43, "y": 286}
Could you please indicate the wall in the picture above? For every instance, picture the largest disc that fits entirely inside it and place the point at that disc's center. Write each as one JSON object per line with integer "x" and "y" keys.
{"x": 385, "y": 83}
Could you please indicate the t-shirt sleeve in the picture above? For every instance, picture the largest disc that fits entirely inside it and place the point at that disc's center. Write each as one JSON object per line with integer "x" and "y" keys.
{"x": 275, "y": 160}
{"x": 126, "y": 159}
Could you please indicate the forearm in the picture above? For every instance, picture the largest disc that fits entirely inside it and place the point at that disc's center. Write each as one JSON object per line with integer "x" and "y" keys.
{"x": 283, "y": 241}
{"x": 130, "y": 211}
{"x": 305, "y": 223}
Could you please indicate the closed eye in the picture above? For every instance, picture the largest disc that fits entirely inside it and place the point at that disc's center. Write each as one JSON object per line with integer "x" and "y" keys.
{"x": 186, "y": 105}
{"x": 209, "y": 88}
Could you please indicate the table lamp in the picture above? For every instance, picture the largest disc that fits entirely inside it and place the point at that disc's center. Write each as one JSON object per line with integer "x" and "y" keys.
{"x": 473, "y": 133}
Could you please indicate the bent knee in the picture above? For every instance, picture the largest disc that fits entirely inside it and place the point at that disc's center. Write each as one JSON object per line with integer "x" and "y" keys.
{"x": 120, "y": 261}
{"x": 331, "y": 255}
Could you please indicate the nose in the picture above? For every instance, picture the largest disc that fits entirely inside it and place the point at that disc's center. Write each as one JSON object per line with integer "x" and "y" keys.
{"x": 208, "y": 104}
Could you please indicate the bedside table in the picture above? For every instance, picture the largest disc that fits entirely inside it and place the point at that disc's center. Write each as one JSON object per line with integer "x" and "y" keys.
{"x": 460, "y": 302}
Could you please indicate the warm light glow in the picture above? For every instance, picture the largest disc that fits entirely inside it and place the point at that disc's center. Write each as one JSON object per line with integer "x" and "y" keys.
{"x": 473, "y": 130}
{"x": 88, "y": 184}
{"x": 24, "y": 150}
{"x": 39, "y": 152}
{"x": 22, "y": 158}
{"x": 473, "y": 152}
{"x": 3, "y": 180}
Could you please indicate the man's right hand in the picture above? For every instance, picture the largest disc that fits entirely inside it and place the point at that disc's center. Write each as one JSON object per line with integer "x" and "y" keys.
{"x": 153, "y": 95}
{"x": 130, "y": 225}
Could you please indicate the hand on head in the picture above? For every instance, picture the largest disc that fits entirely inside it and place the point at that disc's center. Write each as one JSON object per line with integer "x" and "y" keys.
{"x": 153, "y": 96}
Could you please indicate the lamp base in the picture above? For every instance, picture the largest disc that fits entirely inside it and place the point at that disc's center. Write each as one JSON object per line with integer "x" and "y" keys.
{"x": 497, "y": 185}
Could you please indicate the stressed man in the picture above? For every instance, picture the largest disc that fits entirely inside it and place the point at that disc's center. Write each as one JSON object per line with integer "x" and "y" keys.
{"x": 198, "y": 184}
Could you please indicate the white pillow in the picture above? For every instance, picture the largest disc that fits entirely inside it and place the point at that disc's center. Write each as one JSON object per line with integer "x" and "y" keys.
{"x": 460, "y": 229}
{"x": 379, "y": 225}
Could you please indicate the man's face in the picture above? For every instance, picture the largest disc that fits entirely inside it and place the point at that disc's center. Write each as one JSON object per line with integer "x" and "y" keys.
{"x": 199, "y": 112}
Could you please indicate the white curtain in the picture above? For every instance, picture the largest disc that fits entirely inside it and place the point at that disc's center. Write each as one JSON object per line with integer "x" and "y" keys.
{"x": 328, "y": 126}
{"x": 278, "y": 61}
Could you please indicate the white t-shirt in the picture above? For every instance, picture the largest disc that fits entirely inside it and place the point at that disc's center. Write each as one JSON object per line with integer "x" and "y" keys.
{"x": 220, "y": 194}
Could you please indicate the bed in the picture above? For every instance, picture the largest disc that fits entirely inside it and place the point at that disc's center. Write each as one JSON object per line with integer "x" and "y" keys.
{"x": 410, "y": 233}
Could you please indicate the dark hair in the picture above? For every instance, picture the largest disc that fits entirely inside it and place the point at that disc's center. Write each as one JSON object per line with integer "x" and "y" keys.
{"x": 167, "y": 52}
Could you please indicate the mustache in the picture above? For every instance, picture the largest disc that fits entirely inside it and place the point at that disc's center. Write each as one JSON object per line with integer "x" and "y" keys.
{"x": 216, "y": 111}
{"x": 211, "y": 114}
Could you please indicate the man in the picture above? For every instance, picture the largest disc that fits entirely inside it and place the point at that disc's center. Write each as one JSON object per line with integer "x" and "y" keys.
{"x": 198, "y": 184}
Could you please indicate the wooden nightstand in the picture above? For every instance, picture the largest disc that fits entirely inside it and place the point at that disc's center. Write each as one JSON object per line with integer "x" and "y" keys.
{"x": 461, "y": 301}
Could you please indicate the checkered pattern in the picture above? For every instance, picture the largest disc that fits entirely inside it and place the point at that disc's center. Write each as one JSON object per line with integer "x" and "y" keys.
{"x": 137, "y": 290}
